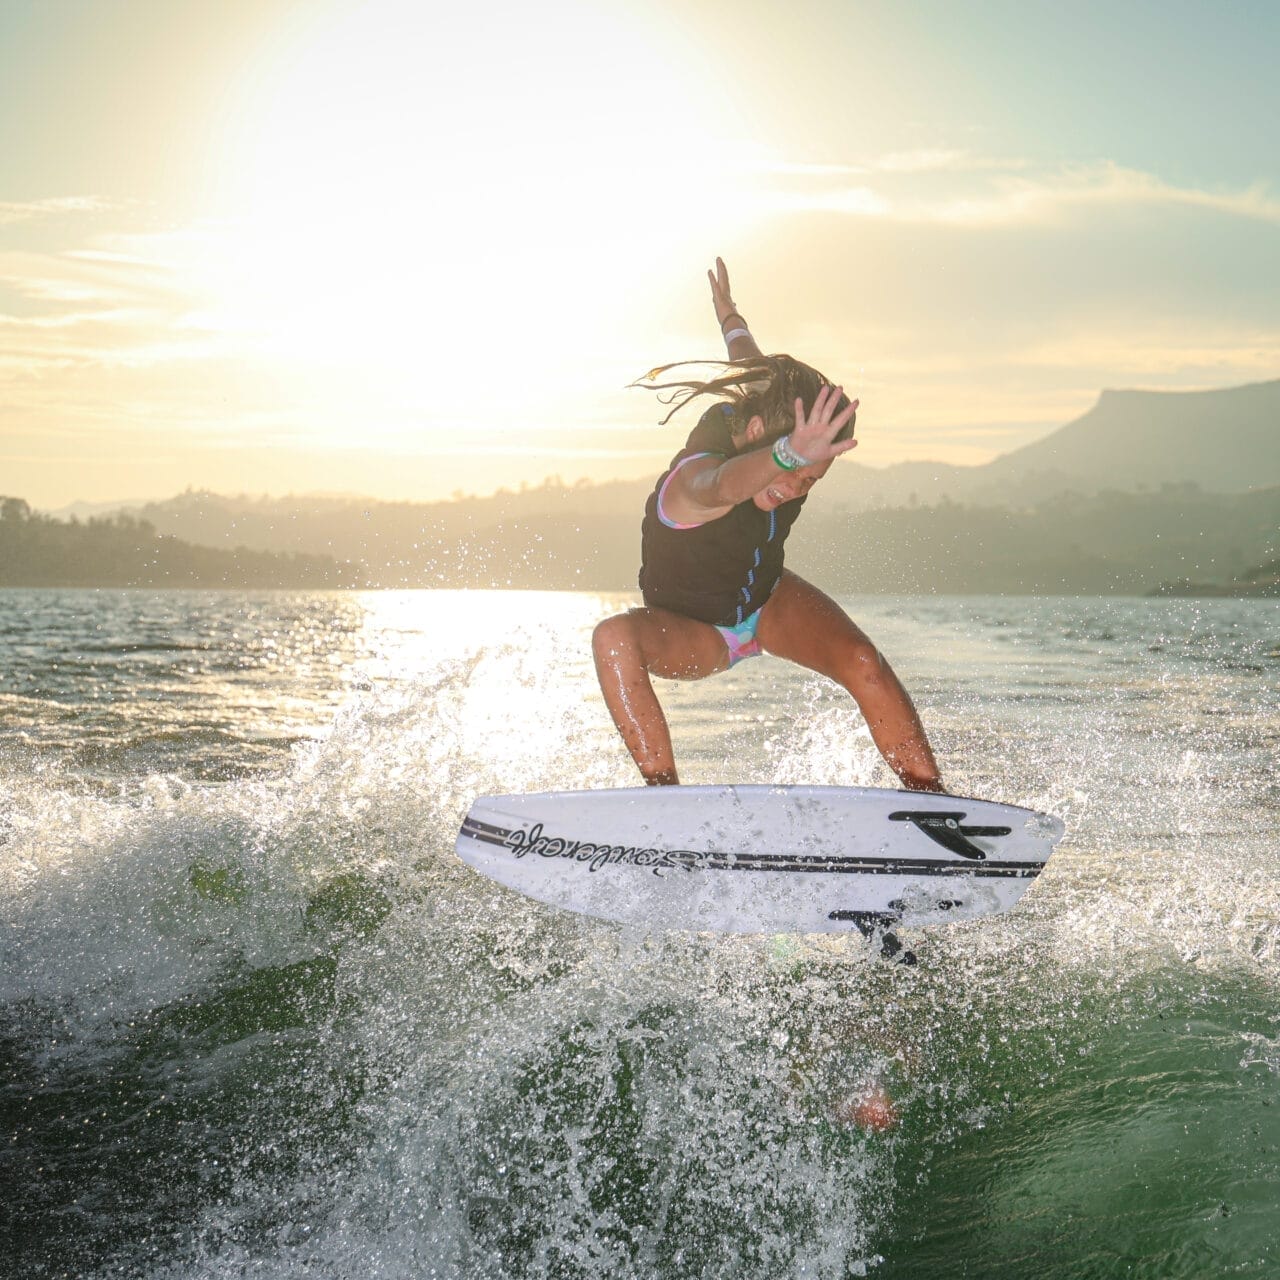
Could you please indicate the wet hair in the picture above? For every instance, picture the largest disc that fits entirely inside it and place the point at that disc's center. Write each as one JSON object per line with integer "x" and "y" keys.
{"x": 767, "y": 386}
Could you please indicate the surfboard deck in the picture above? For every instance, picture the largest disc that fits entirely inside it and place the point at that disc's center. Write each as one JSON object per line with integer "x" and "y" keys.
{"x": 760, "y": 859}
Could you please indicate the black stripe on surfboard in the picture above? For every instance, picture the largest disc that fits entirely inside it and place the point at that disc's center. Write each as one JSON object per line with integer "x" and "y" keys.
{"x": 486, "y": 833}
{"x": 866, "y": 866}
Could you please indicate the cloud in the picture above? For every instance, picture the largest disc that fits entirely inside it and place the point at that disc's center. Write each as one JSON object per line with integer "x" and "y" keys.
{"x": 88, "y": 276}
{"x": 93, "y": 306}
{"x": 1048, "y": 196}
{"x": 862, "y": 201}
{"x": 926, "y": 160}
{"x": 52, "y": 206}
{"x": 112, "y": 333}
{"x": 1190, "y": 360}
{"x": 954, "y": 188}
{"x": 932, "y": 160}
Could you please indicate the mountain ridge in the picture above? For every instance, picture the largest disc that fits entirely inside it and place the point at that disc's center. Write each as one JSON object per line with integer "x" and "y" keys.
{"x": 1116, "y": 443}
{"x": 1114, "y": 500}
{"x": 1226, "y": 440}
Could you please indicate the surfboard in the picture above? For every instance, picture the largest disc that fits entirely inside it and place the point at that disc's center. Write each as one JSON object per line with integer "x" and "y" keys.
{"x": 760, "y": 859}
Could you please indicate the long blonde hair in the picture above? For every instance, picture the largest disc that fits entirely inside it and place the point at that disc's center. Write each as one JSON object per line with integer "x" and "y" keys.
{"x": 764, "y": 386}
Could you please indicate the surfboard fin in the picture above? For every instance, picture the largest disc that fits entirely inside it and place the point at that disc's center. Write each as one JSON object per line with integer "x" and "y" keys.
{"x": 891, "y": 949}
{"x": 945, "y": 829}
{"x": 869, "y": 923}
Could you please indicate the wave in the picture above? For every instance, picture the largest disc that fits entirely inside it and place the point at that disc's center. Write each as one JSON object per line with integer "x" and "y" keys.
{"x": 273, "y": 1027}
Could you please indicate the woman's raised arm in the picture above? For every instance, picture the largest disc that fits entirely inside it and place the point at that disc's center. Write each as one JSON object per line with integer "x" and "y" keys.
{"x": 733, "y": 328}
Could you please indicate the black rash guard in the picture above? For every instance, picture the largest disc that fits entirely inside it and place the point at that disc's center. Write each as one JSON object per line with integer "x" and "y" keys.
{"x": 719, "y": 572}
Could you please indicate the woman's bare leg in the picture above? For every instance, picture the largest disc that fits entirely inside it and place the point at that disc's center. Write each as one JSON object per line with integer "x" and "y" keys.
{"x": 627, "y": 648}
{"x": 802, "y": 624}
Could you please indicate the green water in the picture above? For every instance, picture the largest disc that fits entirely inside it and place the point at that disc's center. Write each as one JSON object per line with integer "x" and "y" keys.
{"x": 257, "y": 1020}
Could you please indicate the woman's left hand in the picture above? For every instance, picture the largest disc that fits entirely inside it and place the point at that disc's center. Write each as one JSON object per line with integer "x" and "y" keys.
{"x": 815, "y": 434}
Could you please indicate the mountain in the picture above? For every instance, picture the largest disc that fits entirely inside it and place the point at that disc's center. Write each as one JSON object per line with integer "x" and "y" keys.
{"x": 1226, "y": 441}
{"x": 1145, "y": 488}
{"x": 122, "y": 551}
{"x": 562, "y": 538}
{"x": 87, "y": 510}
{"x": 1100, "y": 544}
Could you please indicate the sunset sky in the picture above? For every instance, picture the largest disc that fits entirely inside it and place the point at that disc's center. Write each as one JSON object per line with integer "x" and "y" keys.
{"x": 402, "y": 248}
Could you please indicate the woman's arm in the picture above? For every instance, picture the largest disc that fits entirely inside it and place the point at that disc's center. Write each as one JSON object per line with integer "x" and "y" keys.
{"x": 742, "y": 346}
{"x": 708, "y": 488}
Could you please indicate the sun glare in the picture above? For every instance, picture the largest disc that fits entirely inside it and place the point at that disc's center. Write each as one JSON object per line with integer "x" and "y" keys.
{"x": 457, "y": 211}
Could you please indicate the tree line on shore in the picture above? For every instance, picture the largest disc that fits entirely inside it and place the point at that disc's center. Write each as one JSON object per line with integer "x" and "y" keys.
{"x": 565, "y": 537}
{"x": 1174, "y": 540}
{"x": 122, "y": 550}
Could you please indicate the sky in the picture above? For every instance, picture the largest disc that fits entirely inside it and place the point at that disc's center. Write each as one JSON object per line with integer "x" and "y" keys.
{"x": 408, "y": 249}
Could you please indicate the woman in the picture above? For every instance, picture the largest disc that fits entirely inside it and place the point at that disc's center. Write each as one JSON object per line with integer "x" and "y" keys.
{"x": 714, "y": 585}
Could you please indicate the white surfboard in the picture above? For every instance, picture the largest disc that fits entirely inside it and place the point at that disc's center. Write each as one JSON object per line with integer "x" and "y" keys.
{"x": 760, "y": 859}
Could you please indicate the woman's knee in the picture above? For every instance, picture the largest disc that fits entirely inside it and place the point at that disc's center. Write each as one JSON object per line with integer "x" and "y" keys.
{"x": 861, "y": 664}
{"x": 614, "y": 638}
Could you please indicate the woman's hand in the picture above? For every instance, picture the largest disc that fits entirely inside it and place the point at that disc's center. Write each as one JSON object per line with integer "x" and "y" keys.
{"x": 815, "y": 435}
{"x": 721, "y": 298}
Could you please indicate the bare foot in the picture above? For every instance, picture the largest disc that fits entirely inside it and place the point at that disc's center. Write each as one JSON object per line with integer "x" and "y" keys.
{"x": 871, "y": 1109}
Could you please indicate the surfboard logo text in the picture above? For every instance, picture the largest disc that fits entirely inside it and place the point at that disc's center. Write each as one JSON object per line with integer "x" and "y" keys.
{"x": 598, "y": 856}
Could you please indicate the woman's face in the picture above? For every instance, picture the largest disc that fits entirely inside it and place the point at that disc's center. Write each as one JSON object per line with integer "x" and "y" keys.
{"x": 790, "y": 485}
{"x": 787, "y": 486}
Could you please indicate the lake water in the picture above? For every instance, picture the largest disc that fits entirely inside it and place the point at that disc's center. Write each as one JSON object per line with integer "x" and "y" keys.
{"x": 257, "y": 1020}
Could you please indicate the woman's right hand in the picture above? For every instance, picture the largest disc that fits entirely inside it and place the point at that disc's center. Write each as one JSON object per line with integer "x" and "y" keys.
{"x": 815, "y": 435}
{"x": 721, "y": 297}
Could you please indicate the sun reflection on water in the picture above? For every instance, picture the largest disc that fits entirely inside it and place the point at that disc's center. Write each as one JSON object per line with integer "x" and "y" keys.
{"x": 519, "y": 665}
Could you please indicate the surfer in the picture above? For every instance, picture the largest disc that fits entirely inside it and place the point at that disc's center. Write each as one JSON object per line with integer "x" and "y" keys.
{"x": 712, "y": 576}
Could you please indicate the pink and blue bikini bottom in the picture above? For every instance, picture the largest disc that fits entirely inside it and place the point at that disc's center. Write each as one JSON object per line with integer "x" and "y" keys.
{"x": 741, "y": 640}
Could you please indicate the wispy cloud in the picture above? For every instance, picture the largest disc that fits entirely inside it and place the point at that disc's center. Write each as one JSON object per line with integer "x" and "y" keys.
{"x": 88, "y": 276}
{"x": 862, "y": 201}
{"x": 1044, "y": 197}
{"x": 932, "y": 160}
{"x": 53, "y": 206}
{"x": 92, "y": 306}
{"x": 955, "y": 188}
{"x": 926, "y": 160}
{"x": 116, "y": 339}
{"x": 1186, "y": 360}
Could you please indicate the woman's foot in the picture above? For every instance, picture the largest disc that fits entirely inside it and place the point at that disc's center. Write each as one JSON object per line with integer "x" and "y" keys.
{"x": 871, "y": 1109}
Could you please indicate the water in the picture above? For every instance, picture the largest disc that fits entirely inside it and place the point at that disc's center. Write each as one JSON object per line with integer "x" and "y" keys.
{"x": 258, "y": 1021}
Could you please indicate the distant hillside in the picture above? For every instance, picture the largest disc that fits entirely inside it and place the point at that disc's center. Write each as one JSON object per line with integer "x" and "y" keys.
{"x": 1111, "y": 542}
{"x": 122, "y": 551}
{"x": 1262, "y": 580}
{"x": 1225, "y": 441}
{"x": 588, "y": 531}
{"x": 566, "y": 538}
{"x": 1146, "y": 488}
